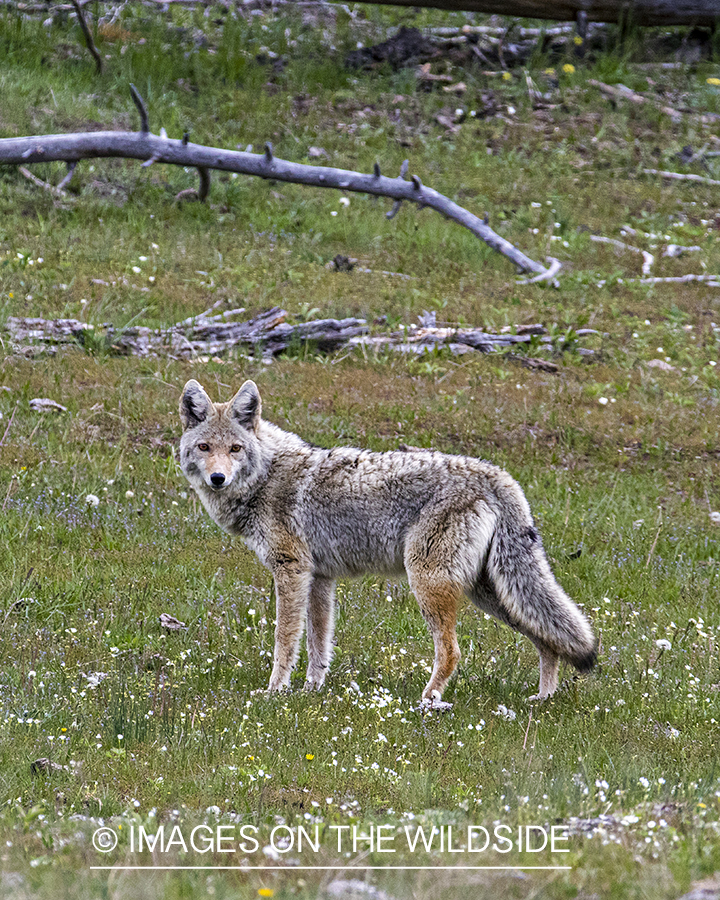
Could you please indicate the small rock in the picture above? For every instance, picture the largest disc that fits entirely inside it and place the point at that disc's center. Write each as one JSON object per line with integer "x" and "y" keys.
{"x": 43, "y": 404}
{"x": 354, "y": 888}
{"x": 660, "y": 364}
{"x": 171, "y": 623}
{"x": 343, "y": 263}
{"x": 458, "y": 88}
{"x": 674, "y": 250}
{"x": 44, "y": 765}
{"x": 707, "y": 889}
{"x": 318, "y": 153}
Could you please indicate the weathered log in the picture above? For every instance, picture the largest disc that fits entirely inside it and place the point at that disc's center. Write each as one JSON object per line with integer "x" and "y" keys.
{"x": 267, "y": 334}
{"x": 638, "y": 12}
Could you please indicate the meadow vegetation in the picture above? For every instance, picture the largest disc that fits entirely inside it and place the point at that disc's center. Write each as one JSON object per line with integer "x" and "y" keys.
{"x": 100, "y": 534}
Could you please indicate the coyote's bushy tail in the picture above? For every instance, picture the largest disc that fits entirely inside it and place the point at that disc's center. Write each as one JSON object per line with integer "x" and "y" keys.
{"x": 517, "y": 585}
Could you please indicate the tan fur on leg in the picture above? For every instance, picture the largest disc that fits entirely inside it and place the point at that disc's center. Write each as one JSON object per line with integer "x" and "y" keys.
{"x": 292, "y": 588}
{"x": 320, "y": 627}
{"x": 438, "y": 604}
{"x": 549, "y": 663}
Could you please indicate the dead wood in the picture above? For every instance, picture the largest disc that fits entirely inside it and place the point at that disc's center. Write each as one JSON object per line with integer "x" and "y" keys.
{"x": 87, "y": 34}
{"x": 622, "y": 92}
{"x": 679, "y": 176}
{"x": 640, "y": 12}
{"x": 267, "y": 334}
{"x": 150, "y": 148}
{"x": 648, "y": 258}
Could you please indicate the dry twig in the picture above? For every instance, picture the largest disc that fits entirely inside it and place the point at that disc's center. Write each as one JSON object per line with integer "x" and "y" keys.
{"x": 678, "y": 176}
{"x": 648, "y": 258}
{"x": 88, "y": 36}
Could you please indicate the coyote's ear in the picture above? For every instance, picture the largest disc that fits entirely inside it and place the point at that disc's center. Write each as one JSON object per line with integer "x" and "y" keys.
{"x": 195, "y": 405}
{"x": 246, "y": 406}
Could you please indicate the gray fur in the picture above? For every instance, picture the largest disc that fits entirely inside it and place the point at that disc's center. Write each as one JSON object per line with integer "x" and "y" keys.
{"x": 455, "y": 525}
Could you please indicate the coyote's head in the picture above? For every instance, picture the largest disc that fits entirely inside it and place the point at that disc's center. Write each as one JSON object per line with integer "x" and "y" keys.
{"x": 219, "y": 449}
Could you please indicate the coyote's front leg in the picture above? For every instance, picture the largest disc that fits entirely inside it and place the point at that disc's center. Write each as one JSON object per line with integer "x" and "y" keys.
{"x": 292, "y": 589}
{"x": 320, "y": 626}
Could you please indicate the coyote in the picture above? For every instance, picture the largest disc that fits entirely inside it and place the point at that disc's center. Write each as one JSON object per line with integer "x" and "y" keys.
{"x": 456, "y": 525}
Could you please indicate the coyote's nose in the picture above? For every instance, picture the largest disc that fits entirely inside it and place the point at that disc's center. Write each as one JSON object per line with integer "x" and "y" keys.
{"x": 217, "y": 479}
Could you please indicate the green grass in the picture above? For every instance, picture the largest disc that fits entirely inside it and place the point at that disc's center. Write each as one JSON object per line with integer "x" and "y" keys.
{"x": 173, "y": 728}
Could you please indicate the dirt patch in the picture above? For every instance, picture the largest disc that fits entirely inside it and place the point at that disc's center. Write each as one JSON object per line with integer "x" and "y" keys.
{"x": 408, "y": 47}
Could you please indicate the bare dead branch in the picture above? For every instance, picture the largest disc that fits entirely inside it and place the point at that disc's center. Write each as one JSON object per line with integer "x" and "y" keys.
{"x": 88, "y": 36}
{"x": 204, "y": 174}
{"x": 548, "y": 275}
{"x": 145, "y": 146}
{"x": 65, "y": 180}
{"x": 710, "y": 280}
{"x": 648, "y": 258}
{"x": 42, "y": 184}
{"x": 677, "y": 176}
{"x": 142, "y": 109}
{"x": 621, "y": 92}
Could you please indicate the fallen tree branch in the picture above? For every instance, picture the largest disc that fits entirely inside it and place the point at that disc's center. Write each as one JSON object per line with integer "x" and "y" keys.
{"x": 88, "y": 36}
{"x": 267, "y": 334}
{"x": 51, "y": 188}
{"x": 648, "y": 258}
{"x": 643, "y": 12}
{"x": 709, "y": 280}
{"x": 621, "y": 92}
{"x": 678, "y": 176}
{"x": 146, "y": 146}
{"x": 548, "y": 275}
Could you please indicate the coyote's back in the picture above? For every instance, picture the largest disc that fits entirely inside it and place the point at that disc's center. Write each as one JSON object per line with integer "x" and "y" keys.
{"x": 455, "y": 525}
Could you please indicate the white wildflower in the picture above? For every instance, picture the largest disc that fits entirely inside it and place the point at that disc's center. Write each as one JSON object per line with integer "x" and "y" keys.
{"x": 506, "y": 713}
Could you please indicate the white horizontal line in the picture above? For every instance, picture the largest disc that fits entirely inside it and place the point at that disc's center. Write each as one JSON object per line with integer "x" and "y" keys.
{"x": 349, "y": 868}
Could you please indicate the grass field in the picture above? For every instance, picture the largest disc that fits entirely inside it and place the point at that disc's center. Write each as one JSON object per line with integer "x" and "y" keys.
{"x": 156, "y": 732}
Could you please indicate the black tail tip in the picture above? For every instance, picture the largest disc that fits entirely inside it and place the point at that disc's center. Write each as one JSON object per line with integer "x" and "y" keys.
{"x": 587, "y": 661}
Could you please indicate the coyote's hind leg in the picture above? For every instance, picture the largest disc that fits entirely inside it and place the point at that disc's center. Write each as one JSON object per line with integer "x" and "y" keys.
{"x": 438, "y": 601}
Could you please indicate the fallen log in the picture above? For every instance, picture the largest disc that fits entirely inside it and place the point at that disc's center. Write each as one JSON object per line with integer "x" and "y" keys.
{"x": 637, "y": 12}
{"x": 151, "y": 148}
{"x": 267, "y": 334}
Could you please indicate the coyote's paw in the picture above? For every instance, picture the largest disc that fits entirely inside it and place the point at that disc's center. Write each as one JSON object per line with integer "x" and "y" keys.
{"x": 277, "y": 687}
{"x": 434, "y": 703}
{"x": 537, "y": 697}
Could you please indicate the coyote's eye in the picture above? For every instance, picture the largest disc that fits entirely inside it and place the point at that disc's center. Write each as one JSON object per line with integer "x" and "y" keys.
{"x": 204, "y": 447}
{"x": 236, "y": 448}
